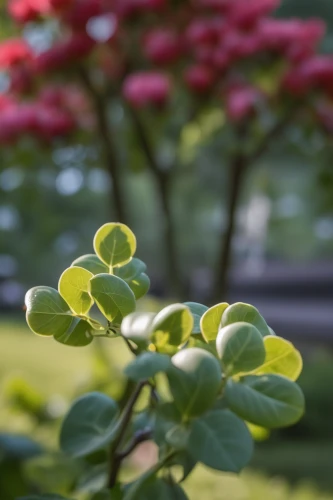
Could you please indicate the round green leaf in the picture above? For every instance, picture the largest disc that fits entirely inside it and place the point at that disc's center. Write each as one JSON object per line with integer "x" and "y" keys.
{"x": 147, "y": 365}
{"x": 91, "y": 263}
{"x": 139, "y": 285}
{"x": 194, "y": 380}
{"x": 241, "y": 348}
{"x": 89, "y": 424}
{"x": 247, "y": 313}
{"x": 113, "y": 296}
{"x": 115, "y": 244}
{"x": 78, "y": 334}
{"x": 131, "y": 270}
{"x": 171, "y": 327}
{"x": 269, "y": 401}
{"x": 47, "y": 312}
{"x": 221, "y": 441}
{"x": 281, "y": 358}
{"x": 136, "y": 327}
{"x": 73, "y": 287}
{"x": 211, "y": 320}
{"x": 197, "y": 311}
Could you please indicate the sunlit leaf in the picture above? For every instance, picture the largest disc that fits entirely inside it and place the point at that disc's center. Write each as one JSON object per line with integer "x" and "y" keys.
{"x": 247, "y": 313}
{"x": 47, "y": 312}
{"x": 113, "y": 296}
{"x": 115, "y": 244}
{"x": 211, "y": 320}
{"x": 73, "y": 287}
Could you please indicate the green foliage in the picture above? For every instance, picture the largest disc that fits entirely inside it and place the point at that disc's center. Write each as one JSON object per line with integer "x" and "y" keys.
{"x": 235, "y": 374}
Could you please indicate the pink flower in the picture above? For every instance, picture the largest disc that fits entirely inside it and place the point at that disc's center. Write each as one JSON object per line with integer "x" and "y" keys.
{"x": 162, "y": 46}
{"x": 14, "y": 51}
{"x": 77, "y": 46}
{"x": 315, "y": 72}
{"x": 246, "y": 13}
{"x": 292, "y": 36}
{"x": 241, "y": 101}
{"x": 199, "y": 78}
{"x": 203, "y": 31}
{"x": 144, "y": 88}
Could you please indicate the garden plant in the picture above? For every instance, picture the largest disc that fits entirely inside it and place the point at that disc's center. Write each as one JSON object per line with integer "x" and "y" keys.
{"x": 227, "y": 71}
{"x": 203, "y": 379}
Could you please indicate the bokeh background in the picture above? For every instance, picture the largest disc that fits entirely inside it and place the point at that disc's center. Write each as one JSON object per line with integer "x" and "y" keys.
{"x": 52, "y": 200}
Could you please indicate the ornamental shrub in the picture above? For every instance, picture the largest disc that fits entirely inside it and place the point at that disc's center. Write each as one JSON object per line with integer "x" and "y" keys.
{"x": 206, "y": 377}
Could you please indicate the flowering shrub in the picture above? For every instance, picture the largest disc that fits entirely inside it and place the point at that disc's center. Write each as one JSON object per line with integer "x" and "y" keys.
{"x": 232, "y": 54}
{"x": 225, "y": 369}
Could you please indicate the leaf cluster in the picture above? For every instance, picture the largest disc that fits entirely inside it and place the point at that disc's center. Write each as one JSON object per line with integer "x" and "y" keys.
{"x": 226, "y": 373}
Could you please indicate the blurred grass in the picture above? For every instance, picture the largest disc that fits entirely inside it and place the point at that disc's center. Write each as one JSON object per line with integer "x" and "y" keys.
{"x": 54, "y": 369}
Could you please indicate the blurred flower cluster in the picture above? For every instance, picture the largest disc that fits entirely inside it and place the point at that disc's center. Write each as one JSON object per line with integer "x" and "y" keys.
{"x": 146, "y": 50}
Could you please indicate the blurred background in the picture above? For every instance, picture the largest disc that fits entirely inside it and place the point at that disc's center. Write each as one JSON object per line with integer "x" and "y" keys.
{"x": 173, "y": 189}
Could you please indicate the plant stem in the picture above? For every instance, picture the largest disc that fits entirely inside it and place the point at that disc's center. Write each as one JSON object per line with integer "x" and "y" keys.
{"x": 115, "y": 456}
{"x": 163, "y": 180}
{"x": 105, "y": 135}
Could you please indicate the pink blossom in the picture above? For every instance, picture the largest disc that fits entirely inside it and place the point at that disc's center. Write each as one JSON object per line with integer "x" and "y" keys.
{"x": 162, "y": 46}
{"x": 144, "y": 88}
{"x": 241, "y": 101}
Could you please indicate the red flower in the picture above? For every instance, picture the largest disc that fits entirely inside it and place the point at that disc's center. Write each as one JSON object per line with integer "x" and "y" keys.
{"x": 14, "y": 51}
{"x": 162, "y": 46}
{"x": 143, "y": 88}
{"x": 199, "y": 78}
{"x": 81, "y": 11}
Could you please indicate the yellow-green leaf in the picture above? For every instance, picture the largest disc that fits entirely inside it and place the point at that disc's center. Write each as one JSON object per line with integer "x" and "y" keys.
{"x": 282, "y": 358}
{"x": 211, "y": 320}
{"x": 115, "y": 244}
{"x": 73, "y": 287}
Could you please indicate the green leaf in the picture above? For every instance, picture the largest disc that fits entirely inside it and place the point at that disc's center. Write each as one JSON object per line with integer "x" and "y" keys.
{"x": 114, "y": 494}
{"x": 91, "y": 263}
{"x": 137, "y": 328}
{"x": 282, "y": 358}
{"x": 247, "y": 313}
{"x": 132, "y": 270}
{"x": 78, "y": 334}
{"x": 221, "y": 441}
{"x": 194, "y": 381}
{"x": 113, "y": 296}
{"x": 73, "y": 287}
{"x": 167, "y": 416}
{"x": 150, "y": 487}
{"x": 89, "y": 425}
{"x": 241, "y": 348}
{"x": 45, "y": 496}
{"x": 171, "y": 327}
{"x": 47, "y": 312}
{"x": 197, "y": 311}
{"x": 139, "y": 285}
{"x": 184, "y": 460}
{"x": 115, "y": 244}
{"x": 147, "y": 365}
{"x": 211, "y": 320}
{"x": 269, "y": 401}
{"x": 177, "y": 437}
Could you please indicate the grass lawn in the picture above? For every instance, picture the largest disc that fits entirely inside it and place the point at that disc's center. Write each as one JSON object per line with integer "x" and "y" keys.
{"x": 54, "y": 369}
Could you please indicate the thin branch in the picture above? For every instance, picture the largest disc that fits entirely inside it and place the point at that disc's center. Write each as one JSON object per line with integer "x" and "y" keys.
{"x": 140, "y": 437}
{"x": 237, "y": 171}
{"x": 163, "y": 180}
{"x": 105, "y": 134}
{"x": 115, "y": 459}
